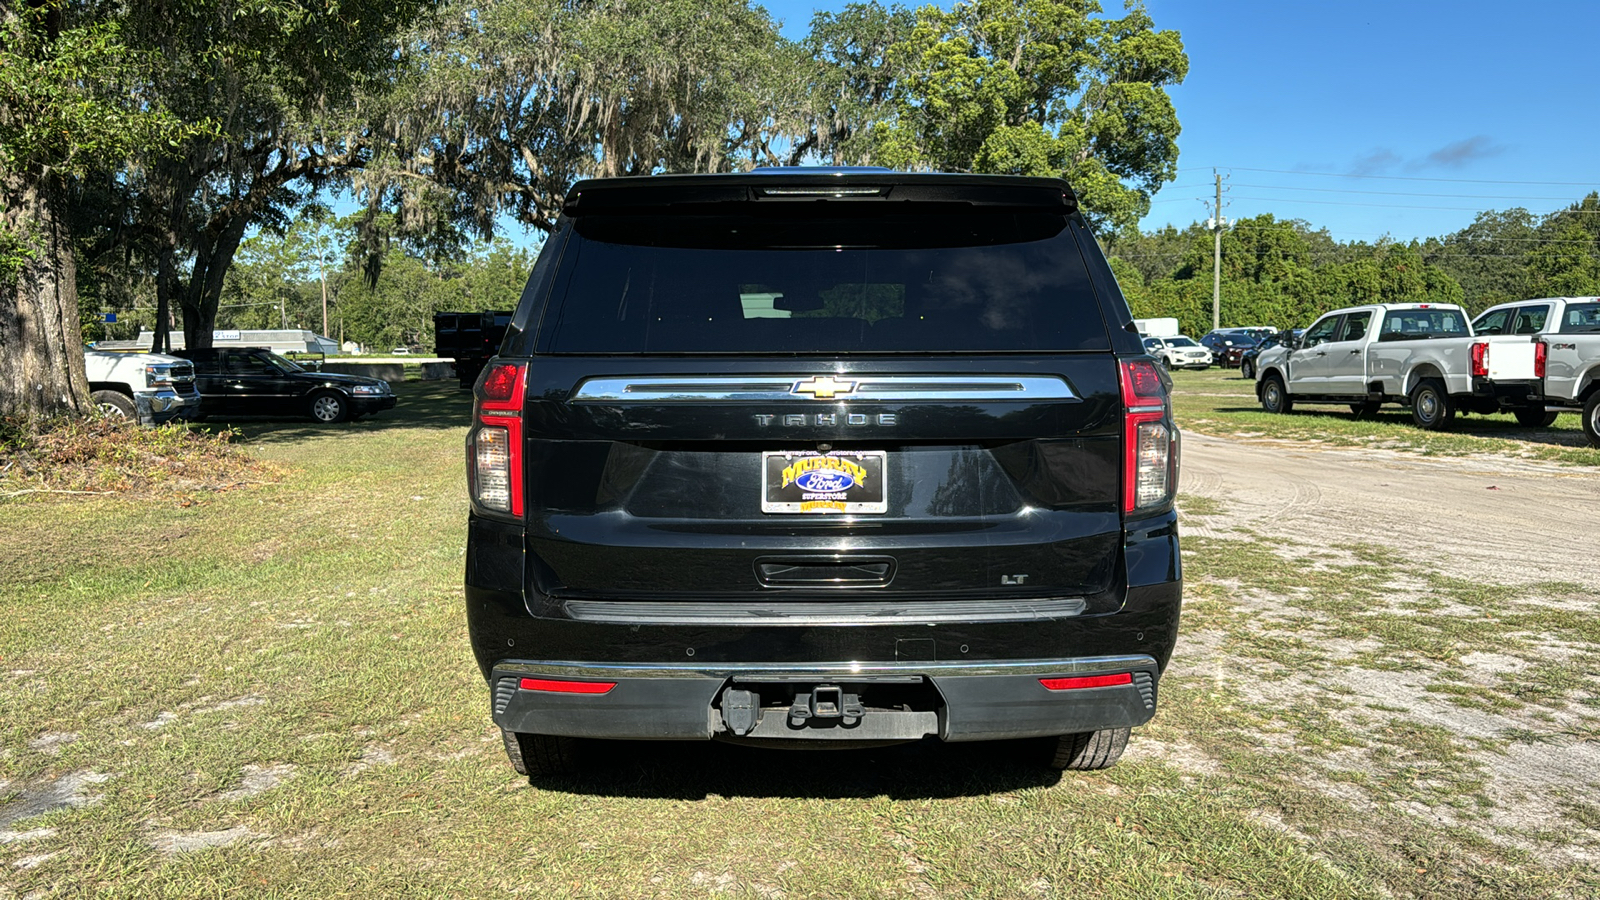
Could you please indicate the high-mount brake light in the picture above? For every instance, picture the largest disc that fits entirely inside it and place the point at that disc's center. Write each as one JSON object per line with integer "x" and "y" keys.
{"x": 1147, "y": 438}
{"x": 1480, "y": 359}
{"x": 494, "y": 446}
{"x": 1541, "y": 355}
{"x": 558, "y": 686}
{"x": 1086, "y": 681}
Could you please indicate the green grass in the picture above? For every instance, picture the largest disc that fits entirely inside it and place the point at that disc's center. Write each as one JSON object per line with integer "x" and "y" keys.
{"x": 314, "y": 628}
{"x": 1220, "y": 402}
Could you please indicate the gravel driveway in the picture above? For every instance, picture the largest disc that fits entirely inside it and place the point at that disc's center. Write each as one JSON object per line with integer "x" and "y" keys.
{"x": 1503, "y": 520}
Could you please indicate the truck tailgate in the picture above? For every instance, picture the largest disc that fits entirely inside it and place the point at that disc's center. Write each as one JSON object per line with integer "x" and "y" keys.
{"x": 1511, "y": 361}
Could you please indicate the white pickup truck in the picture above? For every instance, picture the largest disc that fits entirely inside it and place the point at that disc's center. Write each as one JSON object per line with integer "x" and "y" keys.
{"x": 1569, "y": 330}
{"x": 1419, "y": 354}
{"x": 149, "y": 388}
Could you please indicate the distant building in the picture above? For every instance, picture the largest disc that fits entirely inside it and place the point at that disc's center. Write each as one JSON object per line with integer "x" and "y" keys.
{"x": 279, "y": 340}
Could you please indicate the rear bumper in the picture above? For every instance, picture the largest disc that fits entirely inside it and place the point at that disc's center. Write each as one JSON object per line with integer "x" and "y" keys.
{"x": 1507, "y": 394}
{"x": 973, "y": 701}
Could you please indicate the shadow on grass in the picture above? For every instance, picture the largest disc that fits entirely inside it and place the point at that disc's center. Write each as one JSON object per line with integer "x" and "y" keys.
{"x": 422, "y": 404}
{"x": 693, "y": 770}
{"x": 1475, "y": 425}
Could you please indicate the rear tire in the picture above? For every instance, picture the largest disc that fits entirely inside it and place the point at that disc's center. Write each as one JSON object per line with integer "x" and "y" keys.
{"x": 541, "y": 755}
{"x": 115, "y": 404}
{"x": 1247, "y": 370}
{"x": 1274, "y": 398}
{"x": 1591, "y": 419}
{"x": 1431, "y": 409}
{"x": 1534, "y": 417}
{"x": 1089, "y": 750}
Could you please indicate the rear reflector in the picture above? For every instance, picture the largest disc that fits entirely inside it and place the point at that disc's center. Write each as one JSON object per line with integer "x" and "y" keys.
{"x": 1087, "y": 681}
{"x": 567, "y": 687}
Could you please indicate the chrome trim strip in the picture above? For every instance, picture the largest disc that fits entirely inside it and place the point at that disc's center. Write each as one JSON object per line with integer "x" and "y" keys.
{"x": 841, "y": 670}
{"x": 827, "y": 612}
{"x": 738, "y": 389}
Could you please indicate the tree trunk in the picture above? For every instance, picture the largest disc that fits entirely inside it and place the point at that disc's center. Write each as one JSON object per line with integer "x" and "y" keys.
{"x": 211, "y": 262}
{"x": 41, "y": 341}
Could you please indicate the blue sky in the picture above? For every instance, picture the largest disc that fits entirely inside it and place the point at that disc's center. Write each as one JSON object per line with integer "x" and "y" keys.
{"x": 1401, "y": 118}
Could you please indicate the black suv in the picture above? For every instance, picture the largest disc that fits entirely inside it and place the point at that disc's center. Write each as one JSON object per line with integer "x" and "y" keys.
{"x": 816, "y": 457}
{"x": 254, "y": 381}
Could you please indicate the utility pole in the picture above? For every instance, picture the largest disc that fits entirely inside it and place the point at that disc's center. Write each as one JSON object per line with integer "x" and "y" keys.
{"x": 1216, "y": 259}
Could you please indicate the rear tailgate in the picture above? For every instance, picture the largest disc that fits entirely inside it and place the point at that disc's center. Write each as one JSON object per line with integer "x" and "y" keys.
{"x": 1511, "y": 358}
{"x": 999, "y": 477}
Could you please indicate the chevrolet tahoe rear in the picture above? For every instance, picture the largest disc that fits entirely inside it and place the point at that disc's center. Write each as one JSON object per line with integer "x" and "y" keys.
{"x": 822, "y": 458}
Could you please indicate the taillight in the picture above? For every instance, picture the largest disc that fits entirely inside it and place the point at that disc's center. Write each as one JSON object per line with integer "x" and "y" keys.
{"x": 494, "y": 446}
{"x": 1480, "y": 360}
{"x": 1147, "y": 470}
{"x": 1541, "y": 352}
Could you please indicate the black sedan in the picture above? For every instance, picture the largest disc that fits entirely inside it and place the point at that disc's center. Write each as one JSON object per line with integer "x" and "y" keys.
{"x": 255, "y": 381}
{"x": 1247, "y": 362}
{"x": 1228, "y": 346}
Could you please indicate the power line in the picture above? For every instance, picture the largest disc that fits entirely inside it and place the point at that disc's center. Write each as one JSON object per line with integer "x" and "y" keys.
{"x": 1401, "y": 206}
{"x": 1286, "y": 187}
{"x": 1589, "y": 184}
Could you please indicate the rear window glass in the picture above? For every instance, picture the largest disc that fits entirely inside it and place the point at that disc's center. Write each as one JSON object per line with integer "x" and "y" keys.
{"x": 1581, "y": 318}
{"x": 1415, "y": 324}
{"x": 813, "y": 284}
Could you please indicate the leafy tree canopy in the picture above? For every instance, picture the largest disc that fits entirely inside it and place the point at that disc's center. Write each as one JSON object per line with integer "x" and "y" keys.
{"x": 1039, "y": 87}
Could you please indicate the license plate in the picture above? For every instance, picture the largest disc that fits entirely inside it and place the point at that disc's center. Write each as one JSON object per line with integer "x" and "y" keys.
{"x": 840, "y": 483}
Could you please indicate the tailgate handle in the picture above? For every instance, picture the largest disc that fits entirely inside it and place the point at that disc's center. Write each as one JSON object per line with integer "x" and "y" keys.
{"x": 825, "y": 571}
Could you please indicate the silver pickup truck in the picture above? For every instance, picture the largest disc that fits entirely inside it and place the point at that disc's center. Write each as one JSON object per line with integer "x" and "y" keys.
{"x": 1568, "y": 328}
{"x": 1419, "y": 354}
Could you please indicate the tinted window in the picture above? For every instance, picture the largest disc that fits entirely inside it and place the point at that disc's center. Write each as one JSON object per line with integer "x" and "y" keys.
{"x": 1409, "y": 324}
{"x": 250, "y": 364}
{"x": 1581, "y": 318}
{"x": 205, "y": 362}
{"x": 793, "y": 284}
{"x": 1180, "y": 342}
{"x": 1321, "y": 331}
{"x": 1355, "y": 326}
{"x": 1492, "y": 323}
{"x": 1530, "y": 319}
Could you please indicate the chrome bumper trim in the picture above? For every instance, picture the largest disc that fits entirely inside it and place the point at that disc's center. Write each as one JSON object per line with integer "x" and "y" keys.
{"x": 830, "y": 671}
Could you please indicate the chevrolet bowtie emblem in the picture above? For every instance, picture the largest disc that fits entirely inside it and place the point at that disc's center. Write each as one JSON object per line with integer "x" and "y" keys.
{"x": 822, "y": 387}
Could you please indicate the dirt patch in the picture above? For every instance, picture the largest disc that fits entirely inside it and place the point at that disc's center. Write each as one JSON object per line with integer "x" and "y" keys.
{"x": 259, "y": 780}
{"x": 371, "y": 756}
{"x": 48, "y": 795}
{"x": 1438, "y": 513}
{"x": 172, "y": 843}
{"x": 51, "y": 742}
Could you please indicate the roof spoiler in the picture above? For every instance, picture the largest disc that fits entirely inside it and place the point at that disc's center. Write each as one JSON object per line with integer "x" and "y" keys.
{"x": 809, "y": 186}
